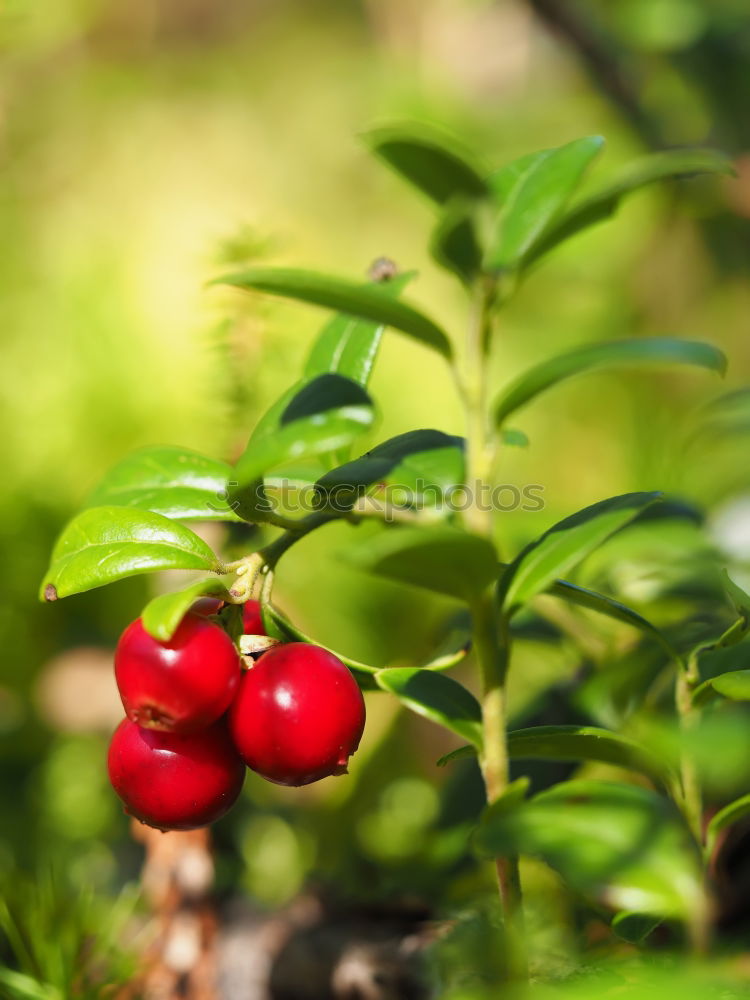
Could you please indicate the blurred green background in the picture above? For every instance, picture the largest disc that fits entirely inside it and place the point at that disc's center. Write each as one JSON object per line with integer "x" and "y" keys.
{"x": 145, "y": 147}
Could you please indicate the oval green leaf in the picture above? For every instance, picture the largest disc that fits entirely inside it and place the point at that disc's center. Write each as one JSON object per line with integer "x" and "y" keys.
{"x": 531, "y": 205}
{"x": 436, "y": 697}
{"x": 431, "y": 162}
{"x": 369, "y": 302}
{"x": 104, "y": 544}
{"x": 622, "y": 844}
{"x": 734, "y": 685}
{"x": 168, "y": 480}
{"x": 349, "y": 346}
{"x": 326, "y": 414}
{"x": 613, "y": 354}
{"x": 163, "y": 614}
{"x": 438, "y": 558}
{"x": 454, "y": 244}
{"x": 565, "y": 545}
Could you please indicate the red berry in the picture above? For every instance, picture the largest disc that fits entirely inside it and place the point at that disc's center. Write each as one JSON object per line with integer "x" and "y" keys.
{"x": 298, "y": 715}
{"x": 182, "y": 685}
{"x": 171, "y": 781}
{"x": 252, "y": 620}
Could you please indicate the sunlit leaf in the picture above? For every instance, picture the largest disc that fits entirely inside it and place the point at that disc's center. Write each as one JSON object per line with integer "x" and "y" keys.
{"x": 163, "y": 614}
{"x": 437, "y": 697}
{"x": 613, "y": 354}
{"x": 369, "y": 302}
{"x": 104, "y": 544}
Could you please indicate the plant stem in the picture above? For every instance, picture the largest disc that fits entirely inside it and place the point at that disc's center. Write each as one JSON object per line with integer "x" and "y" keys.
{"x": 491, "y": 638}
{"x": 687, "y": 679}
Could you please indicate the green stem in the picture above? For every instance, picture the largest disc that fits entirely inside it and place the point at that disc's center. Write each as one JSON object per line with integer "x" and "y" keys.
{"x": 491, "y": 638}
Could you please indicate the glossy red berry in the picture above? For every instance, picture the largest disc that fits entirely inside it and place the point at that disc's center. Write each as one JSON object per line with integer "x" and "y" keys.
{"x": 298, "y": 715}
{"x": 171, "y": 781}
{"x": 252, "y": 620}
{"x": 181, "y": 685}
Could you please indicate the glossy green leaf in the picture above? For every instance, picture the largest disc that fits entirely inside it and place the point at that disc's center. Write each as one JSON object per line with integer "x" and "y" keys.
{"x": 604, "y": 605}
{"x": 437, "y": 697}
{"x": 454, "y": 244}
{"x": 328, "y": 413}
{"x": 444, "y": 560}
{"x": 622, "y": 844}
{"x": 429, "y": 161}
{"x": 734, "y": 685}
{"x": 613, "y": 354}
{"x": 413, "y": 470}
{"x": 604, "y": 200}
{"x": 576, "y": 743}
{"x": 163, "y": 614}
{"x": 349, "y": 346}
{"x": 369, "y": 302}
{"x": 565, "y": 545}
{"x": 536, "y": 199}
{"x": 724, "y": 818}
{"x": 175, "y": 482}
{"x": 104, "y": 544}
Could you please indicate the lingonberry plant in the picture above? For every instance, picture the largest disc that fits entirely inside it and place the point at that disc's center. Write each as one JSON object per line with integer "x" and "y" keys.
{"x": 639, "y": 848}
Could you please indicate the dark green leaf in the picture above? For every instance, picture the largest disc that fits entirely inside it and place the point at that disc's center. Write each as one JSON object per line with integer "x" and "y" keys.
{"x": 413, "y": 470}
{"x": 535, "y": 200}
{"x": 175, "y": 482}
{"x": 454, "y": 244}
{"x": 622, "y": 844}
{"x": 163, "y": 614}
{"x": 104, "y": 544}
{"x": 429, "y": 161}
{"x": 613, "y": 354}
{"x": 460, "y": 753}
{"x": 323, "y": 415}
{"x": 444, "y": 560}
{"x": 604, "y": 201}
{"x": 634, "y": 927}
{"x": 437, "y": 697}
{"x": 349, "y": 346}
{"x": 369, "y": 302}
{"x": 565, "y": 545}
{"x": 577, "y": 743}
{"x": 724, "y": 818}
{"x": 604, "y": 605}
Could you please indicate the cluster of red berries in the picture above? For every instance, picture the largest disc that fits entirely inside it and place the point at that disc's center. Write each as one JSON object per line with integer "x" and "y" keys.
{"x": 195, "y": 718}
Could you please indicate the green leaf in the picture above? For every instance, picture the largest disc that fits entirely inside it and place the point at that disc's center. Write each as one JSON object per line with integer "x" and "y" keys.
{"x": 603, "y": 202}
{"x": 634, "y": 927}
{"x": 613, "y": 354}
{"x": 604, "y": 605}
{"x": 429, "y": 161}
{"x": 349, "y": 346}
{"x": 444, "y": 560}
{"x": 734, "y": 685}
{"x": 565, "y": 545}
{"x": 175, "y": 482}
{"x": 724, "y": 818}
{"x": 104, "y": 544}
{"x": 328, "y": 413}
{"x": 454, "y": 244}
{"x": 577, "y": 743}
{"x": 163, "y": 614}
{"x": 514, "y": 438}
{"x": 622, "y": 844}
{"x": 460, "y": 753}
{"x": 437, "y": 697}
{"x": 414, "y": 470}
{"x": 535, "y": 200}
{"x": 369, "y": 302}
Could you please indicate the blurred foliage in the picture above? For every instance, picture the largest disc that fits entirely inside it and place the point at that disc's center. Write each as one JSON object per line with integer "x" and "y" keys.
{"x": 144, "y": 147}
